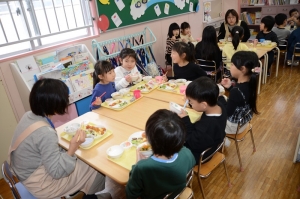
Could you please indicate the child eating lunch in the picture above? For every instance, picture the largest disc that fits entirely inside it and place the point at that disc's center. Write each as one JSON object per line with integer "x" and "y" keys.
{"x": 127, "y": 72}
{"x": 103, "y": 83}
{"x": 165, "y": 171}
{"x": 209, "y": 131}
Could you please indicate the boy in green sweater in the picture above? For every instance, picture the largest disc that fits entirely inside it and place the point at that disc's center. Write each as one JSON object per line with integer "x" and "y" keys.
{"x": 165, "y": 171}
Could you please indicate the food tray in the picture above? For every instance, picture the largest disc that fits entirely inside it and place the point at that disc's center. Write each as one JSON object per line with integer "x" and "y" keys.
{"x": 127, "y": 98}
{"x": 175, "y": 91}
{"x": 68, "y": 137}
{"x": 127, "y": 159}
{"x": 142, "y": 83}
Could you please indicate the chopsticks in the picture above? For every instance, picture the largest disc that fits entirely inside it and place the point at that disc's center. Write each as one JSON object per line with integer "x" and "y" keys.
{"x": 219, "y": 34}
{"x": 185, "y": 104}
{"x": 81, "y": 127}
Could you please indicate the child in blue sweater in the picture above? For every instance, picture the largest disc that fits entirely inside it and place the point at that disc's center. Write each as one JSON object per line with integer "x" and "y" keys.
{"x": 103, "y": 83}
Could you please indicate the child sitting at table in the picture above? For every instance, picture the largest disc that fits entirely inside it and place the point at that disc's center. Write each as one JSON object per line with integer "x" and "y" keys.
{"x": 185, "y": 33}
{"x": 184, "y": 66}
{"x": 230, "y": 48}
{"x": 172, "y": 38}
{"x": 209, "y": 131}
{"x": 165, "y": 171}
{"x": 281, "y": 32}
{"x": 293, "y": 39}
{"x": 103, "y": 83}
{"x": 127, "y": 73}
{"x": 266, "y": 33}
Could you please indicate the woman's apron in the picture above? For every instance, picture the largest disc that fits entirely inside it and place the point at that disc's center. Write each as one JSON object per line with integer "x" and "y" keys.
{"x": 43, "y": 185}
{"x": 227, "y": 32}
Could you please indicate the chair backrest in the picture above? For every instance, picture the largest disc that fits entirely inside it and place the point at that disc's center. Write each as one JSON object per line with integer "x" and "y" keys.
{"x": 9, "y": 178}
{"x": 283, "y": 44}
{"x": 240, "y": 123}
{"x": 297, "y": 48}
{"x": 207, "y": 65}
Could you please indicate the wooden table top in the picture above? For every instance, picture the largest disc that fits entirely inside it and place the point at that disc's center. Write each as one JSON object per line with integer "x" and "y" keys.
{"x": 96, "y": 156}
{"x": 166, "y": 97}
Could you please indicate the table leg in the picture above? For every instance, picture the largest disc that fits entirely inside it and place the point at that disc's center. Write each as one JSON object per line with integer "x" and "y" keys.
{"x": 277, "y": 62}
{"x": 259, "y": 78}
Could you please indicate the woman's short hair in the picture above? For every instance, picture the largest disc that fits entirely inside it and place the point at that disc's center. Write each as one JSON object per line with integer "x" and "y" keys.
{"x": 165, "y": 132}
{"x": 49, "y": 97}
{"x": 234, "y": 13}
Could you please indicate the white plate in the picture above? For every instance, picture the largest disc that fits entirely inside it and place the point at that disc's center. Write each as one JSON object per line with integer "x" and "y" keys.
{"x": 180, "y": 81}
{"x": 96, "y": 134}
{"x": 168, "y": 86}
{"x": 144, "y": 89}
{"x": 116, "y": 103}
{"x": 175, "y": 108}
{"x": 136, "y": 135}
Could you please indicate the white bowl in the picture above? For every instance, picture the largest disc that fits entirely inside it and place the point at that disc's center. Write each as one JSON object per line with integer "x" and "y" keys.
{"x": 72, "y": 128}
{"x": 134, "y": 77}
{"x": 126, "y": 145}
{"x": 145, "y": 153}
{"x": 147, "y": 78}
{"x": 222, "y": 40}
{"x": 175, "y": 108}
{"x": 108, "y": 100}
{"x": 115, "y": 151}
{"x": 88, "y": 142}
{"x": 180, "y": 81}
{"x": 188, "y": 82}
{"x": 267, "y": 41}
{"x": 124, "y": 91}
{"x": 117, "y": 95}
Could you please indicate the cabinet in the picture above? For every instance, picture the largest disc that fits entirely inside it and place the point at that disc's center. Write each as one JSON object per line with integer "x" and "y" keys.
{"x": 264, "y": 10}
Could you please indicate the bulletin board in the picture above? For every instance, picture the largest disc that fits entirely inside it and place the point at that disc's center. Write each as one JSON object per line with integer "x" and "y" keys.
{"x": 120, "y": 13}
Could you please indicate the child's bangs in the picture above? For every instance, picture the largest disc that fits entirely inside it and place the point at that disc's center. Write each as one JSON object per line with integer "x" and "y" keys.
{"x": 107, "y": 67}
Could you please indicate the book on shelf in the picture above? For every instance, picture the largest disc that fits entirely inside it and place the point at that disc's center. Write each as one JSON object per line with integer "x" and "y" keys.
{"x": 83, "y": 80}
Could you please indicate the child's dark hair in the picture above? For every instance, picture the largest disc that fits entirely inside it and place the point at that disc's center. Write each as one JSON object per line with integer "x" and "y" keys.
{"x": 209, "y": 48}
{"x": 269, "y": 22}
{"x": 280, "y": 18}
{"x": 184, "y": 26}
{"x": 165, "y": 132}
{"x": 173, "y": 26}
{"x": 101, "y": 68}
{"x": 237, "y": 33}
{"x": 293, "y": 10}
{"x": 203, "y": 89}
{"x": 187, "y": 48}
{"x": 249, "y": 60}
{"x": 127, "y": 52}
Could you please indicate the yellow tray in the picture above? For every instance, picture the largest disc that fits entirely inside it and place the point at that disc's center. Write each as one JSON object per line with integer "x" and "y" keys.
{"x": 175, "y": 91}
{"x": 127, "y": 159}
{"x": 69, "y": 137}
{"x": 140, "y": 84}
{"x": 127, "y": 98}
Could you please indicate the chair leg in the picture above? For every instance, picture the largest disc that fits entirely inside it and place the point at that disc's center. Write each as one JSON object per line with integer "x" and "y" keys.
{"x": 252, "y": 138}
{"x": 228, "y": 179}
{"x": 284, "y": 59}
{"x": 200, "y": 185}
{"x": 292, "y": 61}
{"x": 239, "y": 156}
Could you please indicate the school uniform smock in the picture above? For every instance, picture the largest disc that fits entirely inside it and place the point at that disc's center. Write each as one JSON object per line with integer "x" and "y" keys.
{"x": 154, "y": 178}
{"x": 208, "y": 132}
{"x": 121, "y": 72}
{"x": 228, "y": 50}
{"x": 189, "y": 72}
{"x": 99, "y": 90}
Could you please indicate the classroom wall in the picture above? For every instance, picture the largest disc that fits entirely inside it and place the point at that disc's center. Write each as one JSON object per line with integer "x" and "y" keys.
{"x": 159, "y": 28}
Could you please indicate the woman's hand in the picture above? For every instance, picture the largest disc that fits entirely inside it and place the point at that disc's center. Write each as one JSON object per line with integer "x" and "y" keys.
{"x": 128, "y": 78}
{"x": 77, "y": 140}
{"x": 226, "y": 82}
{"x": 182, "y": 114}
{"x": 97, "y": 101}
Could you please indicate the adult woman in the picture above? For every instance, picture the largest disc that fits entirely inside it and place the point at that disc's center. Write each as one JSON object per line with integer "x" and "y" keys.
{"x": 232, "y": 20}
{"x": 41, "y": 165}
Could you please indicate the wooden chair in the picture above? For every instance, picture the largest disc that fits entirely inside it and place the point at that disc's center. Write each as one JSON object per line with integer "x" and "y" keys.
{"x": 296, "y": 52}
{"x": 17, "y": 188}
{"x": 238, "y": 137}
{"x": 206, "y": 166}
{"x": 209, "y": 67}
{"x": 187, "y": 192}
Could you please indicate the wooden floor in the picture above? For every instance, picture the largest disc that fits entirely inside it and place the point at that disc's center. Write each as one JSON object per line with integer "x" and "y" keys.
{"x": 269, "y": 172}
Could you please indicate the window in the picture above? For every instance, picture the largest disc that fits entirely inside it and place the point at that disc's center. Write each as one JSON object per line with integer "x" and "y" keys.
{"x": 32, "y": 24}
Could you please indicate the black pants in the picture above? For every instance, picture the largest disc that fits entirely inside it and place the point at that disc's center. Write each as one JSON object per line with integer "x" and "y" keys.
{"x": 271, "y": 59}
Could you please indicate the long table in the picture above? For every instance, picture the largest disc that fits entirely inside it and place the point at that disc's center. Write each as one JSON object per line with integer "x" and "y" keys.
{"x": 96, "y": 156}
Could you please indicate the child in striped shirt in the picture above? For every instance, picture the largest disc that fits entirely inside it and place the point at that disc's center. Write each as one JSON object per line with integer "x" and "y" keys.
{"x": 173, "y": 37}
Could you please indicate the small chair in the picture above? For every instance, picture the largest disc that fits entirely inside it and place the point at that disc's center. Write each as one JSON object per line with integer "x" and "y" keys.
{"x": 17, "y": 188}
{"x": 283, "y": 49}
{"x": 238, "y": 137}
{"x": 209, "y": 67}
{"x": 187, "y": 192}
{"x": 206, "y": 166}
{"x": 296, "y": 52}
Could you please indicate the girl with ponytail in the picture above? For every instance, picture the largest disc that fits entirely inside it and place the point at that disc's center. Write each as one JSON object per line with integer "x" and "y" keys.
{"x": 243, "y": 95}
{"x": 230, "y": 48}
{"x": 103, "y": 83}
